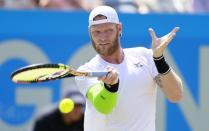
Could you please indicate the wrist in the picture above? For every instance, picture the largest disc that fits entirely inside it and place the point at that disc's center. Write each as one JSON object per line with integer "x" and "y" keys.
{"x": 161, "y": 65}
{"x": 112, "y": 88}
{"x": 156, "y": 55}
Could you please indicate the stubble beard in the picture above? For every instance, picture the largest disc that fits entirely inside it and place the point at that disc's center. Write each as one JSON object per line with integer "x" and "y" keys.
{"x": 107, "y": 50}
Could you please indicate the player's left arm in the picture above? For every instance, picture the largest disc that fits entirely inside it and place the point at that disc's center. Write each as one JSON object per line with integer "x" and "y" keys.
{"x": 167, "y": 79}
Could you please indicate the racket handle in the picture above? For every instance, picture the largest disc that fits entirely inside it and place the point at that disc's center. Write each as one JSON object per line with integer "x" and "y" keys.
{"x": 98, "y": 74}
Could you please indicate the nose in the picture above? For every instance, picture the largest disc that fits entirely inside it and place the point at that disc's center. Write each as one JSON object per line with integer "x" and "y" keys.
{"x": 103, "y": 37}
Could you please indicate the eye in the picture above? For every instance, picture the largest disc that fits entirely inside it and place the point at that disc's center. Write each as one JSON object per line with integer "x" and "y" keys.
{"x": 96, "y": 32}
{"x": 109, "y": 31}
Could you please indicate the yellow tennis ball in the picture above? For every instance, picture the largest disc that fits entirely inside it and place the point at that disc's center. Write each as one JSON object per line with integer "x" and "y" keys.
{"x": 66, "y": 105}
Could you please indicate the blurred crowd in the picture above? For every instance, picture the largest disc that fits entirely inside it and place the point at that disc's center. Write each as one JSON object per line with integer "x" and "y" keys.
{"x": 50, "y": 118}
{"x": 127, "y": 6}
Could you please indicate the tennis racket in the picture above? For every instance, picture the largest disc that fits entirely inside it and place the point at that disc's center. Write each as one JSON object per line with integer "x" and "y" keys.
{"x": 46, "y": 72}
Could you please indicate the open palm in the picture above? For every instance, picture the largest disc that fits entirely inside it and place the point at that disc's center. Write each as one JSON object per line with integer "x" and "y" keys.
{"x": 160, "y": 44}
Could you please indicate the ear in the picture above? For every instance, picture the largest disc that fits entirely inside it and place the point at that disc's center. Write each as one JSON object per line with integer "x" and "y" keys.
{"x": 120, "y": 29}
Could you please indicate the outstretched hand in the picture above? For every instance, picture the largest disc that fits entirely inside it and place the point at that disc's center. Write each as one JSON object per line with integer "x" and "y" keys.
{"x": 159, "y": 44}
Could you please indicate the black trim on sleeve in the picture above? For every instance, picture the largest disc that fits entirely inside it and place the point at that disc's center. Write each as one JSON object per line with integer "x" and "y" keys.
{"x": 161, "y": 65}
{"x": 112, "y": 88}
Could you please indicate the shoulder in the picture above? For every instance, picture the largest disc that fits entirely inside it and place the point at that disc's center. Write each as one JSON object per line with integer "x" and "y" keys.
{"x": 138, "y": 52}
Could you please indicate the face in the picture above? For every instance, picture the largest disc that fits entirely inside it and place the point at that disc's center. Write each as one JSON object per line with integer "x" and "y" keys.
{"x": 105, "y": 38}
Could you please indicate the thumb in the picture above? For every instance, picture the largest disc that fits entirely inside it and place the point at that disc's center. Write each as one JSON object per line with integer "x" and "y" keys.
{"x": 152, "y": 33}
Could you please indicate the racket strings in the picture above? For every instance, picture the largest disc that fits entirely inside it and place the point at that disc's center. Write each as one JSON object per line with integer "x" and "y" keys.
{"x": 37, "y": 74}
{"x": 46, "y": 72}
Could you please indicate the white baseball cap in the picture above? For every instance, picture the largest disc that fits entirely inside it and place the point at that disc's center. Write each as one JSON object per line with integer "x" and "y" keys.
{"x": 107, "y": 11}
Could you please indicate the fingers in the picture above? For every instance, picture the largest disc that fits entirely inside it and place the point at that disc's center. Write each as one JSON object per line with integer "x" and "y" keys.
{"x": 111, "y": 78}
{"x": 171, "y": 35}
{"x": 175, "y": 29}
{"x": 173, "y": 32}
{"x": 162, "y": 43}
{"x": 167, "y": 38}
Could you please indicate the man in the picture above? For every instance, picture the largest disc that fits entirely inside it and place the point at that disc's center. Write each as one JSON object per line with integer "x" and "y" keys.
{"x": 124, "y": 99}
{"x": 57, "y": 121}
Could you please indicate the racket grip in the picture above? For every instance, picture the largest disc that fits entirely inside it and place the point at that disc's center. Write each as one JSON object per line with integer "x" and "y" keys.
{"x": 98, "y": 74}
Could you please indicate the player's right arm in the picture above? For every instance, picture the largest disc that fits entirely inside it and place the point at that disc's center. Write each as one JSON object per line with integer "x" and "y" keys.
{"x": 103, "y": 93}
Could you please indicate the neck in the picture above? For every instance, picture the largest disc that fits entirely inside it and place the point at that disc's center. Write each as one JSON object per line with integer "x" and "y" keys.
{"x": 116, "y": 58}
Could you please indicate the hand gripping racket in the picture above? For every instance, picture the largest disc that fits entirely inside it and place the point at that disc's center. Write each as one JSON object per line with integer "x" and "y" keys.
{"x": 46, "y": 72}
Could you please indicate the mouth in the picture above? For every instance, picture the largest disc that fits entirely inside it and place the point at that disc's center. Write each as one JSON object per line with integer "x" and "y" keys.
{"x": 104, "y": 44}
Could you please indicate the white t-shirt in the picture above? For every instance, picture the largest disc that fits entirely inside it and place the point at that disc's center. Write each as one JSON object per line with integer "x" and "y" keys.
{"x": 135, "y": 108}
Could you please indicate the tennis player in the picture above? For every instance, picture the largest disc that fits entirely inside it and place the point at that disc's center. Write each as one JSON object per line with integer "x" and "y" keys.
{"x": 125, "y": 99}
